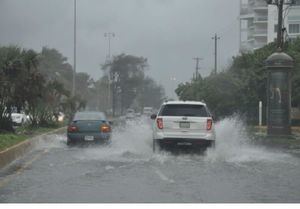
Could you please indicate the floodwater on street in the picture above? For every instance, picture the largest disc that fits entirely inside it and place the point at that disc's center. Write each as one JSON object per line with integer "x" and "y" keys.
{"x": 128, "y": 171}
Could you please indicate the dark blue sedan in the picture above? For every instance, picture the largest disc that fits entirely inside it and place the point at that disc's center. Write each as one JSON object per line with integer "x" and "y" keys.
{"x": 89, "y": 127}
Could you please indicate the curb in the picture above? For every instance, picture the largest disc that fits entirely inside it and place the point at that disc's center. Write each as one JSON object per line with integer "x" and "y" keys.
{"x": 12, "y": 153}
{"x": 295, "y": 129}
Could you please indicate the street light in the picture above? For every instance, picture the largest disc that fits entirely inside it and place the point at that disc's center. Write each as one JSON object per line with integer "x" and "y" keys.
{"x": 109, "y": 35}
{"x": 74, "y": 59}
{"x": 173, "y": 80}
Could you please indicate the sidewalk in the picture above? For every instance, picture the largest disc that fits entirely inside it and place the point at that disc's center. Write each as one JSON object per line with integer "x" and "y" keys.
{"x": 286, "y": 142}
{"x": 263, "y": 129}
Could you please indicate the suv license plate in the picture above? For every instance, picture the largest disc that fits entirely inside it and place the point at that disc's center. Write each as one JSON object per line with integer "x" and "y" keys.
{"x": 184, "y": 125}
{"x": 89, "y": 138}
{"x": 185, "y": 143}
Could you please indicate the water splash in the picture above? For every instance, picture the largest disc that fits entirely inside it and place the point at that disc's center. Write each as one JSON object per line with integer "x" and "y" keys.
{"x": 130, "y": 142}
{"x": 233, "y": 144}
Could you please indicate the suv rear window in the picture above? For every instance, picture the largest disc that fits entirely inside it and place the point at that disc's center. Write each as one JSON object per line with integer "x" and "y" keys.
{"x": 184, "y": 110}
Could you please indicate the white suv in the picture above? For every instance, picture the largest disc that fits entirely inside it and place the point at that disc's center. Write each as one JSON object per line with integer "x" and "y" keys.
{"x": 183, "y": 123}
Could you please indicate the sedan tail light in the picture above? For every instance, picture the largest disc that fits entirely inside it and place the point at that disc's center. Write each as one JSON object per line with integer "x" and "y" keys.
{"x": 209, "y": 124}
{"x": 73, "y": 128}
{"x": 159, "y": 122}
{"x": 105, "y": 128}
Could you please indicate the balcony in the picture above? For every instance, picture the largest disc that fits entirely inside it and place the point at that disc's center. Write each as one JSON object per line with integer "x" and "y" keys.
{"x": 260, "y": 5}
{"x": 259, "y": 45}
{"x": 260, "y": 33}
{"x": 246, "y": 47}
{"x": 263, "y": 19}
{"x": 246, "y": 9}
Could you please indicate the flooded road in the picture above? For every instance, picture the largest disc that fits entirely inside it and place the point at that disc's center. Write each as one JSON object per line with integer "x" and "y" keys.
{"x": 128, "y": 171}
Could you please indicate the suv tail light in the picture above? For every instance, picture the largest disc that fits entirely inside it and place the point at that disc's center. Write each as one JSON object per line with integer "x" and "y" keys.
{"x": 209, "y": 124}
{"x": 73, "y": 128}
{"x": 159, "y": 122}
{"x": 105, "y": 128}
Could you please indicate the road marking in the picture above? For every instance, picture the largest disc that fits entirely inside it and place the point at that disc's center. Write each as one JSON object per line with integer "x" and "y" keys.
{"x": 9, "y": 178}
{"x": 163, "y": 177}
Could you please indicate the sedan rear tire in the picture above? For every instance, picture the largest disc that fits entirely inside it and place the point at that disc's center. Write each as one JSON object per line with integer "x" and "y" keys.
{"x": 70, "y": 142}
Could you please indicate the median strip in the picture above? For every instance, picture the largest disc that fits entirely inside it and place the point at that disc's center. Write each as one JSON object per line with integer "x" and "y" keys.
{"x": 16, "y": 151}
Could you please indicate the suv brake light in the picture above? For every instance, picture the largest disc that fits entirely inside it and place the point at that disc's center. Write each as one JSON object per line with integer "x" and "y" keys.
{"x": 209, "y": 124}
{"x": 159, "y": 122}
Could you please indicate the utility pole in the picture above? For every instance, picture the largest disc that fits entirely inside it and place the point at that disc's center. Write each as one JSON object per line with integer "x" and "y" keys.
{"x": 110, "y": 35}
{"x": 216, "y": 38}
{"x": 74, "y": 64}
{"x": 279, "y": 28}
{"x": 197, "y": 66}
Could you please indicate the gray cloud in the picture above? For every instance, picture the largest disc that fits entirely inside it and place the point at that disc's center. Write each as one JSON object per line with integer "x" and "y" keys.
{"x": 168, "y": 32}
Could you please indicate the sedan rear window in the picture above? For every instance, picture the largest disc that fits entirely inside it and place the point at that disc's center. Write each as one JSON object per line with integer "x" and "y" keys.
{"x": 184, "y": 110}
{"x": 89, "y": 116}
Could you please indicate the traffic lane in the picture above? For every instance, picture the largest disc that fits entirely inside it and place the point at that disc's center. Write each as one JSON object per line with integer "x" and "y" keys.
{"x": 50, "y": 180}
{"x": 104, "y": 174}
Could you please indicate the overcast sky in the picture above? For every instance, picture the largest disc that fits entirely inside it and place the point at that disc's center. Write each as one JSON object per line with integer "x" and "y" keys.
{"x": 167, "y": 32}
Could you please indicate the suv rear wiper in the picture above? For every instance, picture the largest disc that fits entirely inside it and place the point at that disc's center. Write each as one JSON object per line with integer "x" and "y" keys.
{"x": 189, "y": 115}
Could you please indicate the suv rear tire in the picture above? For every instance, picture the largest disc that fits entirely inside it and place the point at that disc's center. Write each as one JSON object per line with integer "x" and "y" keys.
{"x": 155, "y": 146}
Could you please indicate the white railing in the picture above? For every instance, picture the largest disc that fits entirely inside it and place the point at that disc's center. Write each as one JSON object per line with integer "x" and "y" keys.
{"x": 260, "y": 32}
{"x": 261, "y": 19}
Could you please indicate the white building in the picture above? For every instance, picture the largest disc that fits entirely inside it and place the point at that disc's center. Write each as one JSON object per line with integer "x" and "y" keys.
{"x": 258, "y": 23}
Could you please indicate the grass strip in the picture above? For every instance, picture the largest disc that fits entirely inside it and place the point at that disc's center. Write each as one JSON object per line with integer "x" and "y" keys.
{"x": 8, "y": 140}
{"x": 21, "y": 134}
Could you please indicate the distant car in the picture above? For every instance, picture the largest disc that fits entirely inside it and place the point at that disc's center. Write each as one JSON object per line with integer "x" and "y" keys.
{"x": 89, "y": 127}
{"x": 130, "y": 114}
{"x": 183, "y": 123}
{"x": 19, "y": 118}
{"x": 61, "y": 117}
{"x": 148, "y": 111}
{"x": 138, "y": 114}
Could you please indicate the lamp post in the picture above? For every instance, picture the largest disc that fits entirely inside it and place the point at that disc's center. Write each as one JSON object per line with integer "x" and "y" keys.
{"x": 109, "y": 35}
{"x": 74, "y": 59}
{"x": 173, "y": 79}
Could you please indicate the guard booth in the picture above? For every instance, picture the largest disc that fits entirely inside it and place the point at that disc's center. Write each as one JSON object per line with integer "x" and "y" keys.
{"x": 279, "y": 66}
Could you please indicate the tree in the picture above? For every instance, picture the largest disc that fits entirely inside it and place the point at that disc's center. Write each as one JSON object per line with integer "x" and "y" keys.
{"x": 150, "y": 87}
{"x": 20, "y": 81}
{"x": 36, "y": 83}
{"x": 240, "y": 88}
{"x": 54, "y": 66}
{"x": 127, "y": 72}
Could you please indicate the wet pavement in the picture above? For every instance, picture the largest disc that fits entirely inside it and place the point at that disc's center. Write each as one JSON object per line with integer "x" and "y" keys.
{"x": 128, "y": 171}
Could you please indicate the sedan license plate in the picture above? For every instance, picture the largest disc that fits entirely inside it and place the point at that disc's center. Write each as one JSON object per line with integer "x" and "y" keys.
{"x": 184, "y": 125}
{"x": 89, "y": 138}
